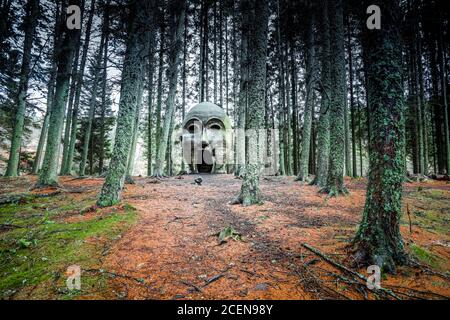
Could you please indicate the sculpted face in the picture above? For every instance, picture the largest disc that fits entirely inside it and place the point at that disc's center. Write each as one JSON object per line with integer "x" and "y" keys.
{"x": 204, "y": 138}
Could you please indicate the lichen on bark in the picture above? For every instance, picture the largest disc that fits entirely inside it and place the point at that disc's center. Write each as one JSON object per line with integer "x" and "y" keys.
{"x": 378, "y": 240}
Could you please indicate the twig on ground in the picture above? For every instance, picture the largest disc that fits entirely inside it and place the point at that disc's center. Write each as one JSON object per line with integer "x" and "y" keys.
{"x": 409, "y": 218}
{"x": 118, "y": 275}
{"x": 196, "y": 288}
{"x": 213, "y": 279}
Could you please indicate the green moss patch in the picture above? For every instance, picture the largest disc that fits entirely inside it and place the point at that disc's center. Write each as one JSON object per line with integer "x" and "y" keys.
{"x": 37, "y": 245}
{"x": 425, "y": 256}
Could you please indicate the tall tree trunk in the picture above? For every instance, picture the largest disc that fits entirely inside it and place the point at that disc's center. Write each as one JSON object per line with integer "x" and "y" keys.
{"x": 215, "y": 52}
{"x": 177, "y": 12}
{"x": 335, "y": 179}
{"x": 442, "y": 59}
{"x": 281, "y": 90}
{"x": 132, "y": 76}
{"x": 288, "y": 123}
{"x": 254, "y": 121}
{"x": 201, "y": 72}
{"x": 50, "y": 90}
{"x": 135, "y": 135}
{"x": 92, "y": 103}
{"x": 160, "y": 83}
{"x": 70, "y": 148}
{"x": 295, "y": 138}
{"x": 66, "y": 138}
{"x": 49, "y": 175}
{"x": 220, "y": 56}
{"x": 323, "y": 127}
{"x": 240, "y": 144}
{"x": 29, "y": 23}
{"x": 352, "y": 99}
{"x": 151, "y": 71}
{"x": 101, "y": 158}
{"x": 378, "y": 240}
{"x": 309, "y": 107}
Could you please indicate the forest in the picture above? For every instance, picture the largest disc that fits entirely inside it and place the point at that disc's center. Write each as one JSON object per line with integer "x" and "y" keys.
{"x": 224, "y": 149}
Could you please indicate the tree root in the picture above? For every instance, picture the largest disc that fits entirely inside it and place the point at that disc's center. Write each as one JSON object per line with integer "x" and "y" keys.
{"x": 129, "y": 180}
{"x": 334, "y": 191}
{"x": 159, "y": 176}
{"x": 40, "y": 186}
{"x": 26, "y": 197}
{"x": 385, "y": 291}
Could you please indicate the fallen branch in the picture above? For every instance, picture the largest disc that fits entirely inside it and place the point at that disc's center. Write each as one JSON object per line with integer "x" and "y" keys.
{"x": 424, "y": 293}
{"x": 191, "y": 285}
{"x": 118, "y": 275}
{"x": 344, "y": 268}
{"x": 426, "y": 269}
{"x": 213, "y": 279}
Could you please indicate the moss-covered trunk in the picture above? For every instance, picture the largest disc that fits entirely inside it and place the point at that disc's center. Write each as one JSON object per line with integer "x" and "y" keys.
{"x": 132, "y": 74}
{"x": 160, "y": 84}
{"x": 92, "y": 103}
{"x": 29, "y": 24}
{"x": 50, "y": 93}
{"x": 335, "y": 179}
{"x": 177, "y": 12}
{"x": 49, "y": 175}
{"x": 323, "y": 127}
{"x": 309, "y": 107}
{"x": 135, "y": 134}
{"x": 378, "y": 240}
{"x": 257, "y": 11}
{"x": 69, "y": 149}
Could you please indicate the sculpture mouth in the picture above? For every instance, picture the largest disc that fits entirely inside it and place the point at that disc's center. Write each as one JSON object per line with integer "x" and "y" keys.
{"x": 206, "y": 165}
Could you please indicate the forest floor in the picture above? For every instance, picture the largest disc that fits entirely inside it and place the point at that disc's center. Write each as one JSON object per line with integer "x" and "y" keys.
{"x": 167, "y": 240}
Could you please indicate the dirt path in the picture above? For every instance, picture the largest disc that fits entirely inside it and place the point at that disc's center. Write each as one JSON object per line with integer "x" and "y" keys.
{"x": 174, "y": 246}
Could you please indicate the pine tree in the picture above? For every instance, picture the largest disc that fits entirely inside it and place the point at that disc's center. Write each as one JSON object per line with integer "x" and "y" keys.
{"x": 335, "y": 179}
{"x": 309, "y": 107}
{"x": 257, "y": 11}
{"x": 57, "y": 33}
{"x": 49, "y": 175}
{"x": 177, "y": 12}
{"x": 323, "y": 127}
{"x": 30, "y": 21}
{"x": 69, "y": 146}
{"x": 132, "y": 74}
{"x": 378, "y": 240}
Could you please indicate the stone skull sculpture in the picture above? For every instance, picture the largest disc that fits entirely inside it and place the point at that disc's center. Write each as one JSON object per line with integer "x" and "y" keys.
{"x": 206, "y": 138}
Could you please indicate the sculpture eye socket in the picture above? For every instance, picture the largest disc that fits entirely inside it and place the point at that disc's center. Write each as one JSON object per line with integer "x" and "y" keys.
{"x": 215, "y": 127}
{"x": 191, "y": 128}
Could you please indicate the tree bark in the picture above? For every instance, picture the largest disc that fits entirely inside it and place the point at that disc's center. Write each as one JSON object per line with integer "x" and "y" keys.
{"x": 92, "y": 102}
{"x": 30, "y": 22}
{"x": 70, "y": 148}
{"x": 132, "y": 74}
{"x": 323, "y": 127}
{"x": 177, "y": 13}
{"x": 257, "y": 11}
{"x": 49, "y": 175}
{"x": 309, "y": 107}
{"x": 50, "y": 91}
{"x": 378, "y": 240}
{"x": 335, "y": 179}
